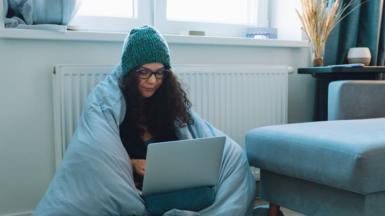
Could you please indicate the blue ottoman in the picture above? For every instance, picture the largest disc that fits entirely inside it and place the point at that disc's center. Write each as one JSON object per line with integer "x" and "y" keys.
{"x": 322, "y": 168}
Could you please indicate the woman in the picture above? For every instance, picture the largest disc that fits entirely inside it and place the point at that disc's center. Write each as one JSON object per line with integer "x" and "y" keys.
{"x": 155, "y": 101}
{"x": 139, "y": 103}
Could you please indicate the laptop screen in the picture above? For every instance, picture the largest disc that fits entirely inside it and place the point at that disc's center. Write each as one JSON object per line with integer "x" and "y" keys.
{"x": 182, "y": 164}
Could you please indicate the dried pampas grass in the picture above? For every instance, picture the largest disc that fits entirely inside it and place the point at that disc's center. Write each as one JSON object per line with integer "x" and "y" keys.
{"x": 318, "y": 18}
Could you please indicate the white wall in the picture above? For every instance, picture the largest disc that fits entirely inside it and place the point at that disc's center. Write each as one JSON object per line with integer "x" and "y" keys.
{"x": 26, "y": 118}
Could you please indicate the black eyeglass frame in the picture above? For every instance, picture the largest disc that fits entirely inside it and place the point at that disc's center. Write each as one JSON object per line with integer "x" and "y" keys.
{"x": 159, "y": 74}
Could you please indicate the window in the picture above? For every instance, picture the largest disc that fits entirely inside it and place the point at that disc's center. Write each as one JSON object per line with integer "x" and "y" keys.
{"x": 213, "y": 11}
{"x": 118, "y": 8}
{"x": 111, "y": 15}
{"x": 214, "y": 17}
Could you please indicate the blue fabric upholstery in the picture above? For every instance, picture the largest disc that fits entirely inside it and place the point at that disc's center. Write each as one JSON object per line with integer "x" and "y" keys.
{"x": 327, "y": 168}
{"x": 346, "y": 154}
{"x": 192, "y": 199}
{"x": 315, "y": 199}
{"x": 356, "y": 99}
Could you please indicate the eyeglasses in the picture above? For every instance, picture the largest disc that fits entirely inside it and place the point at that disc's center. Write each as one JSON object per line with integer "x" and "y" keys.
{"x": 145, "y": 73}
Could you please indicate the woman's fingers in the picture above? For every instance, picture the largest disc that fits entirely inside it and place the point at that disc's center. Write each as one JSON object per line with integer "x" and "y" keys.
{"x": 139, "y": 166}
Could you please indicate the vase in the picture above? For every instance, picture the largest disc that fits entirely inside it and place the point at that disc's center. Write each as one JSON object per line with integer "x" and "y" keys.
{"x": 359, "y": 55}
{"x": 318, "y": 55}
{"x": 318, "y": 61}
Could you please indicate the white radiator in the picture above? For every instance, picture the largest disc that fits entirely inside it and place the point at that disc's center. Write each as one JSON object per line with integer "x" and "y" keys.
{"x": 234, "y": 98}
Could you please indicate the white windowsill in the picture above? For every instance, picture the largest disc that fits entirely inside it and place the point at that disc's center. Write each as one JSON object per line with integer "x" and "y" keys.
{"x": 119, "y": 37}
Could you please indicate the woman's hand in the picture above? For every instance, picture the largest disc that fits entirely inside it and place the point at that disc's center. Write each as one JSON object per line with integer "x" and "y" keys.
{"x": 139, "y": 166}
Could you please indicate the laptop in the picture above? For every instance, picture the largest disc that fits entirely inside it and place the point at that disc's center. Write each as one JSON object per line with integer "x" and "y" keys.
{"x": 182, "y": 164}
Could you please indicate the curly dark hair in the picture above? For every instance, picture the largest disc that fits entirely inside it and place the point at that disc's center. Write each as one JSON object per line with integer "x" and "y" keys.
{"x": 160, "y": 113}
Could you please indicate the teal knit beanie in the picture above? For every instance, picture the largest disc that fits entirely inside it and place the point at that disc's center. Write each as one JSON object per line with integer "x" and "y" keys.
{"x": 144, "y": 45}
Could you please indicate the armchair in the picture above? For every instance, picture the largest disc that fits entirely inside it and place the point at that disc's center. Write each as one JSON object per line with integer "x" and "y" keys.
{"x": 357, "y": 99}
{"x": 327, "y": 168}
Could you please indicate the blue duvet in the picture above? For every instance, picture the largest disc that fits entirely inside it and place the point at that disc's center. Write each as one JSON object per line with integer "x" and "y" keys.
{"x": 95, "y": 176}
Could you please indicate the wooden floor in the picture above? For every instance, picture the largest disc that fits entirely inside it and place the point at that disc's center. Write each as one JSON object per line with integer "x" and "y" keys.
{"x": 286, "y": 212}
{"x": 258, "y": 202}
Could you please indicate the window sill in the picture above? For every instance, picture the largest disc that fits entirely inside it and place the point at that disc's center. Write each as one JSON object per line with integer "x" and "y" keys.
{"x": 119, "y": 37}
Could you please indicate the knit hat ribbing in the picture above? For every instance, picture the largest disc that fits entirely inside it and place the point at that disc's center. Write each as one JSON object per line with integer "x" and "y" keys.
{"x": 144, "y": 45}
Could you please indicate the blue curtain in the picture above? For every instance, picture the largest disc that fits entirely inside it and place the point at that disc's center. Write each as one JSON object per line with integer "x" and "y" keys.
{"x": 363, "y": 27}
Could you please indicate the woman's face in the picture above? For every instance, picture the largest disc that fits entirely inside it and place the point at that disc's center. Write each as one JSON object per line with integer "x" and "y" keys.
{"x": 148, "y": 86}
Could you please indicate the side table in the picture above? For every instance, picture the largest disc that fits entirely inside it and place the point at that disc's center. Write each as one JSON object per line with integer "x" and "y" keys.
{"x": 327, "y": 74}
